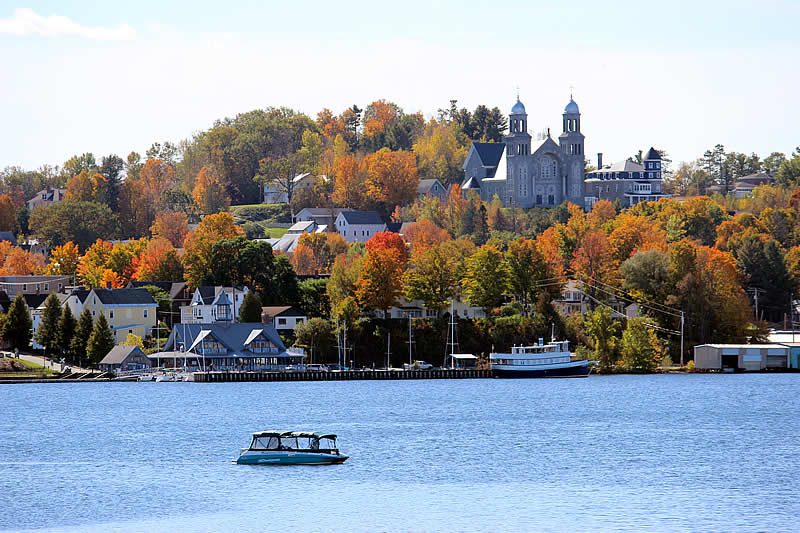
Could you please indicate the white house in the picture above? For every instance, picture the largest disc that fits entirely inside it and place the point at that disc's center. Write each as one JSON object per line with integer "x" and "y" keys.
{"x": 323, "y": 216}
{"x": 359, "y": 226}
{"x": 276, "y": 194}
{"x": 282, "y": 318}
{"x": 202, "y": 308}
{"x": 416, "y": 309}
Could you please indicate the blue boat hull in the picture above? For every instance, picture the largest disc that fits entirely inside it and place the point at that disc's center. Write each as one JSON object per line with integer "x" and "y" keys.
{"x": 577, "y": 371}
{"x": 279, "y": 457}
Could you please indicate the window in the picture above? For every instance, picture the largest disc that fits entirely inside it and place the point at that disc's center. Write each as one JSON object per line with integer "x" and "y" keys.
{"x": 551, "y": 199}
{"x": 539, "y": 199}
{"x": 145, "y": 313}
{"x": 47, "y": 287}
{"x": 111, "y": 314}
{"x": 281, "y": 321}
{"x": 24, "y": 287}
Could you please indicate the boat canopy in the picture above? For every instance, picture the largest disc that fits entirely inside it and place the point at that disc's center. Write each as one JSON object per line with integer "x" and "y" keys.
{"x": 465, "y": 356}
{"x": 293, "y": 434}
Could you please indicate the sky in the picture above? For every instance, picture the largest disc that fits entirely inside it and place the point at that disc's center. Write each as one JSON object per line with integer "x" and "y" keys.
{"x": 112, "y": 77}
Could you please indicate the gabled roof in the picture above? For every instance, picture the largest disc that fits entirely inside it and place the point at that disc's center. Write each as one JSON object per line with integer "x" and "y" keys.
{"x": 489, "y": 153}
{"x": 173, "y": 288}
{"x": 361, "y": 217}
{"x": 8, "y": 236}
{"x": 222, "y": 299}
{"x": 80, "y": 294}
{"x": 119, "y": 353}
{"x": 623, "y": 166}
{"x": 207, "y": 294}
{"x": 280, "y": 310}
{"x": 233, "y": 336}
{"x": 471, "y": 183}
{"x": 301, "y": 227}
{"x": 426, "y": 185}
{"x": 124, "y": 296}
{"x": 652, "y": 153}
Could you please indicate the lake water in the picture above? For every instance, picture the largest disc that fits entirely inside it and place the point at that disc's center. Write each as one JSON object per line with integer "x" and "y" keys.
{"x": 662, "y": 452}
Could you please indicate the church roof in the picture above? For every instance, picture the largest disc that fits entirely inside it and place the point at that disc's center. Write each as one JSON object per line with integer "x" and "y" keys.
{"x": 652, "y": 153}
{"x": 490, "y": 153}
{"x": 572, "y": 107}
{"x": 471, "y": 183}
{"x": 518, "y": 108}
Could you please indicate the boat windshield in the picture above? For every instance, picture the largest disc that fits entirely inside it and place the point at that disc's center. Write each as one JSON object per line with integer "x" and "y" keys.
{"x": 265, "y": 443}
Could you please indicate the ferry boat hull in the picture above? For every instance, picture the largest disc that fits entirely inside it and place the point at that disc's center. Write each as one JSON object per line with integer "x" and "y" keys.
{"x": 281, "y": 457}
{"x": 577, "y": 369}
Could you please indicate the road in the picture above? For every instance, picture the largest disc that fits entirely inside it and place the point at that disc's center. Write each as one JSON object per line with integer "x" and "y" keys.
{"x": 47, "y": 362}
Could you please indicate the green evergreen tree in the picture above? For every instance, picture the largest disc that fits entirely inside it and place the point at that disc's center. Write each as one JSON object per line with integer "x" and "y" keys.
{"x": 48, "y": 333}
{"x": 66, "y": 332}
{"x": 480, "y": 233}
{"x": 250, "y": 311}
{"x": 80, "y": 340}
{"x": 18, "y": 327}
{"x": 100, "y": 341}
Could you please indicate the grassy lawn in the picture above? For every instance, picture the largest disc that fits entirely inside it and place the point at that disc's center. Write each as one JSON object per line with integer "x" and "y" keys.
{"x": 275, "y": 233}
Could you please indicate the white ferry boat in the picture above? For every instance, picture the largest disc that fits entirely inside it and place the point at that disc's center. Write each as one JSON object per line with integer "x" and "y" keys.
{"x": 538, "y": 361}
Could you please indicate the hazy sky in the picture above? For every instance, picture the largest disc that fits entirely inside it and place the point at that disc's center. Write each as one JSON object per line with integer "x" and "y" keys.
{"x": 682, "y": 76}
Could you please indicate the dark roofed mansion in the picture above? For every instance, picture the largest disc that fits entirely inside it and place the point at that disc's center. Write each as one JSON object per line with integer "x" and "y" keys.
{"x": 523, "y": 173}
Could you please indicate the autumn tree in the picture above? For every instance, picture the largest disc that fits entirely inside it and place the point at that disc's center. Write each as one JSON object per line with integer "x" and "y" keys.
{"x": 209, "y": 192}
{"x": 171, "y": 225}
{"x": 197, "y": 248}
{"x": 380, "y": 281}
{"x": 391, "y": 178}
{"x": 441, "y": 151}
{"x": 316, "y": 252}
{"x": 594, "y": 264}
{"x": 486, "y": 278}
{"x": 93, "y": 264}
{"x": 434, "y": 273}
{"x": 8, "y": 219}
{"x": 159, "y": 261}
{"x": 603, "y": 329}
{"x": 424, "y": 234}
{"x": 529, "y": 277}
{"x": 350, "y": 178}
{"x": 64, "y": 260}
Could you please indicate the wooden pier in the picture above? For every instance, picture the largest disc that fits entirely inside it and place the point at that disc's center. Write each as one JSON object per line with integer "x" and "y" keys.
{"x": 347, "y": 375}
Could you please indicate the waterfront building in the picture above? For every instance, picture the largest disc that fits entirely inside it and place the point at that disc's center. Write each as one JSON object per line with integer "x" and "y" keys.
{"x": 125, "y": 359}
{"x": 626, "y": 182}
{"x": 527, "y": 173}
{"x": 416, "y": 309}
{"x": 282, "y": 318}
{"x": 748, "y": 357}
{"x": 227, "y": 346}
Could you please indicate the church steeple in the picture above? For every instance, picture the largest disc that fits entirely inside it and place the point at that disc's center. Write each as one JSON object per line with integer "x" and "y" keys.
{"x": 518, "y": 141}
{"x": 571, "y": 138}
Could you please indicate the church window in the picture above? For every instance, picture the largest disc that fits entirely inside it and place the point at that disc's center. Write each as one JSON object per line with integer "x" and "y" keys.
{"x": 551, "y": 199}
{"x": 539, "y": 199}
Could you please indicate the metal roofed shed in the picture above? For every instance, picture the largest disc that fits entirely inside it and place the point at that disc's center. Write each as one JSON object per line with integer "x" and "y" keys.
{"x": 743, "y": 357}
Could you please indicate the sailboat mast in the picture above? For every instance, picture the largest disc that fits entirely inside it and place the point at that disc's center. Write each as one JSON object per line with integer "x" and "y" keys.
{"x": 410, "y": 333}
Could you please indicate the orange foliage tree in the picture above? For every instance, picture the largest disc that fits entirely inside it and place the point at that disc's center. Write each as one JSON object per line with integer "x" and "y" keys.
{"x": 593, "y": 262}
{"x": 8, "y": 220}
{"x": 391, "y": 178}
{"x": 349, "y": 181}
{"x": 14, "y": 261}
{"x": 64, "y": 260}
{"x": 316, "y": 252}
{"x": 159, "y": 262}
{"x": 424, "y": 234}
{"x": 93, "y": 264}
{"x": 209, "y": 192}
{"x": 198, "y": 244}
{"x": 385, "y": 240}
{"x": 635, "y": 233}
{"x": 171, "y": 225}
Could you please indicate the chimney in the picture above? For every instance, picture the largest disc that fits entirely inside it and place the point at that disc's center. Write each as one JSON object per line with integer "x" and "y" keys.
{"x": 108, "y": 284}
{"x": 599, "y": 160}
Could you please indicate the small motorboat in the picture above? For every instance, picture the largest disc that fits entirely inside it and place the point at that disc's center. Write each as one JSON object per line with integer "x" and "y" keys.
{"x": 291, "y": 448}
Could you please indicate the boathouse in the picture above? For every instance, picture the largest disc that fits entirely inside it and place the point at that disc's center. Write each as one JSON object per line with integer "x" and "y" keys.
{"x": 747, "y": 357}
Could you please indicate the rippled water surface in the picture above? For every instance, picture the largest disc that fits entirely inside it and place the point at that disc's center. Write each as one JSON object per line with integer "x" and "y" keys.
{"x": 671, "y": 452}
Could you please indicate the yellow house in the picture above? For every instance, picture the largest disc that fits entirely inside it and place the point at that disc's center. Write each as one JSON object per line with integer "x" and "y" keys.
{"x": 127, "y": 310}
